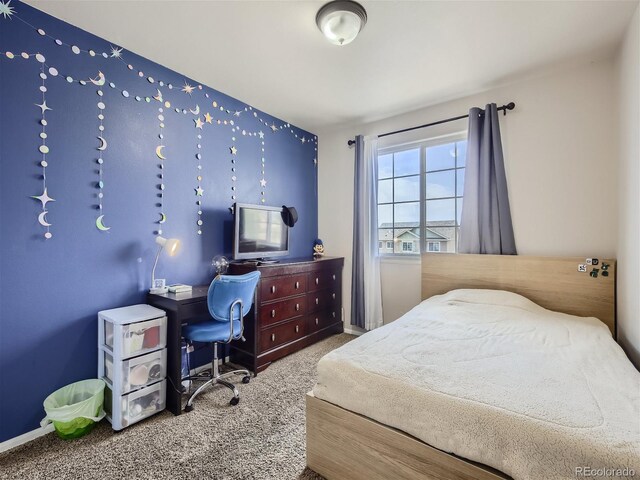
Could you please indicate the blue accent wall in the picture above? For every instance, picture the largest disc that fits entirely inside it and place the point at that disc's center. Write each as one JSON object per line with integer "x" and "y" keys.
{"x": 51, "y": 289}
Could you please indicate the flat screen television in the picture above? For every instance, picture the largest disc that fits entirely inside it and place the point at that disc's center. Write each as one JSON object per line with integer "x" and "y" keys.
{"x": 260, "y": 232}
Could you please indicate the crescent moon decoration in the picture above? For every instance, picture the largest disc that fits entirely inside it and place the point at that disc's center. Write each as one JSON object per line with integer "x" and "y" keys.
{"x": 100, "y": 224}
{"x": 196, "y": 111}
{"x": 100, "y": 81}
{"x": 159, "y": 152}
{"x": 103, "y": 144}
{"x": 43, "y": 220}
{"x": 163, "y": 218}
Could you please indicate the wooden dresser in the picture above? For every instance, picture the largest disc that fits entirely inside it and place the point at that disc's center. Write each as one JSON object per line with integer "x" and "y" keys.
{"x": 298, "y": 302}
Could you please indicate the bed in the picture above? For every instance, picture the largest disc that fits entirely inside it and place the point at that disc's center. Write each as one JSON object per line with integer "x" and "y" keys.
{"x": 481, "y": 382}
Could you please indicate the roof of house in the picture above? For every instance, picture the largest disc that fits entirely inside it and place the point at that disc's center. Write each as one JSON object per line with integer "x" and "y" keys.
{"x": 436, "y": 230}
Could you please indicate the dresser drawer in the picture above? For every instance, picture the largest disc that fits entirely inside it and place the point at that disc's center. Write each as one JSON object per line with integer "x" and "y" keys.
{"x": 323, "y": 300}
{"x": 319, "y": 320}
{"x": 278, "y": 311}
{"x": 323, "y": 279}
{"x": 280, "y": 287}
{"x": 280, "y": 334}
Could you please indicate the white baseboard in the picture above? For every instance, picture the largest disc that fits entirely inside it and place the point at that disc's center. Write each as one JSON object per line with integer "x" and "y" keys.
{"x": 352, "y": 332}
{"x": 25, "y": 437}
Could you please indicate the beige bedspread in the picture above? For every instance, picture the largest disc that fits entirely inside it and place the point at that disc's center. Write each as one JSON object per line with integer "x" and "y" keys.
{"x": 493, "y": 377}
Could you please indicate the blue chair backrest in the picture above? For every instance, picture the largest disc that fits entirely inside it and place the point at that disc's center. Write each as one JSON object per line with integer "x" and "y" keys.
{"x": 226, "y": 289}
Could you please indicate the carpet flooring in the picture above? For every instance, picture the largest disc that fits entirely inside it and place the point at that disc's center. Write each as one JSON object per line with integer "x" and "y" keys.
{"x": 263, "y": 437}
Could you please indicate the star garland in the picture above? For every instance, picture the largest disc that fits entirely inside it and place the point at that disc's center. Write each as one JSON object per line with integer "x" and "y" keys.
{"x": 199, "y": 191}
{"x": 101, "y": 148}
{"x": 233, "y": 151}
{"x": 263, "y": 182}
{"x": 44, "y": 198}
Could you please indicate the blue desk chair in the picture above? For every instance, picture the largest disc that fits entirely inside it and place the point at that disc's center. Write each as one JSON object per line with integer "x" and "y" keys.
{"x": 229, "y": 299}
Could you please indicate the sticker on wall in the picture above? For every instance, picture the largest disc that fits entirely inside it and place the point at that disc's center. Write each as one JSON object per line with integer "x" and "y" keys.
{"x": 6, "y": 10}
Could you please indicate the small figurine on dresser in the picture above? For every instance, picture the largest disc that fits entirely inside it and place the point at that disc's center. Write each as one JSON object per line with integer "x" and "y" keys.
{"x": 318, "y": 248}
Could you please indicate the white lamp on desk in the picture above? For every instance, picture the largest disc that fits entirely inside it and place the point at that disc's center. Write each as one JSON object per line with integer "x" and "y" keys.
{"x": 172, "y": 245}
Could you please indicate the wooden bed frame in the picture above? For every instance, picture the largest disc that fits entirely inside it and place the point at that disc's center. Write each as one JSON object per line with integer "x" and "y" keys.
{"x": 344, "y": 445}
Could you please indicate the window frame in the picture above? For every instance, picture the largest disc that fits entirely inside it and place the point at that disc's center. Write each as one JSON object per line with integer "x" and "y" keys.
{"x": 422, "y": 145}
{"x": 434, "y": 243}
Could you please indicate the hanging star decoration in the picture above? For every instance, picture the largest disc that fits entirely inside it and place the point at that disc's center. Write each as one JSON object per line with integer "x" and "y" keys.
{"x": 273, "y": 127}
{"x": 303, "y": 139}
{"x": 263, "y": 183}
{"x": 43, "y": 106}
{"x": 199, "y": 123}
{"x": 188, "y": 88}
{"x": 237, "y": 113}
{"x": 44, "y": 198}
{"x": 261, "y": 134}
{"x": 233, "y": 150}
{"x": 315, "y": 161}
{"x": 208, "y": 118}
{"x": 199, "y": 191}
{"x": 6, "y": 10}
{"x": 116, "y": 52}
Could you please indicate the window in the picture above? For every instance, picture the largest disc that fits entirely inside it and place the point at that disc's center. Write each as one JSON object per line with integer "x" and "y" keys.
{"x": 420, "y": 191}
{"x": 379, "y": 245}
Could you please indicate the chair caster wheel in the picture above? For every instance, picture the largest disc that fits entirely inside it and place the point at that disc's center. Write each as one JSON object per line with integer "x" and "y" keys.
{"x": 188, "y": 408}
{"x": 246, "y": 379}
{"x": 234, "y": 400}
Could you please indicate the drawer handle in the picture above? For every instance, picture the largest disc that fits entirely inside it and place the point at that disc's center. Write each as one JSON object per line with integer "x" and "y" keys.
{"x": 273, "y": 337}
{"x": 297, "y": 285}
{"x": 317, "y": 300}
{"x": 317, "y": 281}
{"x": 297, "y": 328}
{"x": 333, "y": 295}
{"x": 334, "y": 276}
{"x": 316, "y": 321}
{"x": 334, "y": 314}
{"x": 297, "y": 307}
{"x": 273, "y": 289}
{"x": 273, "y": 314}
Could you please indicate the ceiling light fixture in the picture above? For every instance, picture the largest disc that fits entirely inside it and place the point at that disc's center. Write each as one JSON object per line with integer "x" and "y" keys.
{"x": 341, "y": 21}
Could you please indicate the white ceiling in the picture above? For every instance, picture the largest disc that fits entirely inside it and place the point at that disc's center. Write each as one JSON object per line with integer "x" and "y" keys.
{"x": 411, "y": 54}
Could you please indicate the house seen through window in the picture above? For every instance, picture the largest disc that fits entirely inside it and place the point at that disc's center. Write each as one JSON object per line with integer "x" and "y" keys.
{"x": 420, "y": 197}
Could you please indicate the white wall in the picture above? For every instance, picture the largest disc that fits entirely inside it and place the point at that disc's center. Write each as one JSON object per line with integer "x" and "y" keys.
{"x": 561, "y": 160}
{"x": 628, "y": 69}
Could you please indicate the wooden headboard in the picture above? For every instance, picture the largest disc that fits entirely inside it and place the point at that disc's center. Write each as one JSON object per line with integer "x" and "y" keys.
{"x": 552, "y": 282}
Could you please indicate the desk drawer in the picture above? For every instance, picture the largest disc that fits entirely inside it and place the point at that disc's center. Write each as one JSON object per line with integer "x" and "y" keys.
{"x": 319, "y": 320}
{"x": 282, "y": 287}
{"x": 323, "y": 300}
{"x": 279, "y": 335}
{"x": 323, "y": 279}
{"x": 279, "y": 311}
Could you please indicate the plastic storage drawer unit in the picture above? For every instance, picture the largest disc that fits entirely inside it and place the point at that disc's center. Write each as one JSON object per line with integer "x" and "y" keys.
{"x": 132, "y": 360}
{"x": 128, "y": 409}
{"x": 136, "y": 372}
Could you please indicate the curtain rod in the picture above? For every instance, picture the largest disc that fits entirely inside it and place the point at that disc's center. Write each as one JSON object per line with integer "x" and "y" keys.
{"x": 503, "y": 108}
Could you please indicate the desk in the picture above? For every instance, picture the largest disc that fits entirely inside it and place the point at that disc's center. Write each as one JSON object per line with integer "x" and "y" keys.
{"x": 181, "y": 308}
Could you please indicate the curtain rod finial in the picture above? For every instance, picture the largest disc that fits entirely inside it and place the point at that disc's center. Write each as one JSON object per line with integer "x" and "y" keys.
{"x": 351, "y": 143}
{"x": 510, "y": 106}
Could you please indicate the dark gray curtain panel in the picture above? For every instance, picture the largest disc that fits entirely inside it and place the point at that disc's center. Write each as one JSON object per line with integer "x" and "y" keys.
{"x": 485, "y": 226}
{"x": 357, "y": 271}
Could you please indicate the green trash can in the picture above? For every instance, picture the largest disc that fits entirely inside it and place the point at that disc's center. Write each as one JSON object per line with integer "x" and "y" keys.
{"x": 75, "y": 409}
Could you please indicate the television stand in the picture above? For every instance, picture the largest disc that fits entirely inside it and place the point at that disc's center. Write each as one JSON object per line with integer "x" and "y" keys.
{"x": 264, "y": 261}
